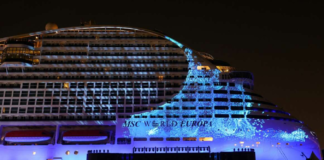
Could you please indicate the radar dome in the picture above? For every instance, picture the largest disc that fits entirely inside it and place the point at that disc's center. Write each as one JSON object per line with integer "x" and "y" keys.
{"x": 51, "y": 26}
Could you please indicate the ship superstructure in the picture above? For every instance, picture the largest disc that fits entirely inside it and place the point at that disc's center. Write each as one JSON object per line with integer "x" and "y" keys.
{"x": 65, "y": 91}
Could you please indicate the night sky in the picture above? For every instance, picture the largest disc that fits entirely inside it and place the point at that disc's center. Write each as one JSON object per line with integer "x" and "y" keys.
{"x": 280, "y": 43}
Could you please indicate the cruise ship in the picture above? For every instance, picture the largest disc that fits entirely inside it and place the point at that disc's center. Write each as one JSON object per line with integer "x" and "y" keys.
{"x": 65, "y": 92}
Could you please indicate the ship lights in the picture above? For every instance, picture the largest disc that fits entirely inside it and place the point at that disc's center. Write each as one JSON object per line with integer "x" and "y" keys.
{"x": 203, "y": 68}
{"x": 206, "y": 139}
{"x": 66, "y": 85}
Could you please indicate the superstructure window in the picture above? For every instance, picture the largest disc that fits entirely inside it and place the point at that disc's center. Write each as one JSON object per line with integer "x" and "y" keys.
{"x": 97, "y": 101}
{"x": 189, "y": 139}
{"x": 40, "y": 93}
{"x": 220, "y": 91}
{"x": 124, "y": 140}
{"x": 48, "y": 94}
{"x": 80, "y": 85}
{"x": 71, "y": 101}
{"x": 58, "y": 85}
{"x": 72, "y": 93}
{"x": 63, "y": 101}
{"x": 25, "y": 85}
{"x": 235, "y": 92}
{"x": 56, "y": 93}
{"x": 172, "y": 139}
{"x": 104, "y": 101}
{"x": 55, "y": 109}
{"x": 41, "y": 85}
{"x": 79, "y": 101}
{"x": 32, "y": 93}
{"x": 47, "y": 109}
{"x": 24, "y": 93}
{"x": 145, "y": 93}
{"x": 39, "y": 110}
{"x": 129, "y": 93}
{"x": 113, "y": 85}
{"x": 97, "y": 93}
{"x": 64, "y": 93}
{"x": 140, "y": 139}
{"x": 105, "y": 93}
{"x": 23, "y": 101}
{"x": 49, "y": 85}
{"x": 105, "y": 85}
{"x": 71, "y": 110}
{"x": 33, "y": 85}
{"x": 22, "y": 110}
{"x": 121, "y": 93}
{"x": 129, "y": 85}
{"x": 62, "y": 109}
{"x": 79, "y": 110}
{"x": 80, "y": 93}
{"x": 56, "y": 101}
{"x": 205, "y": 138}
{"x": 7, "y": 102}
{"x": 48, "y": 102}
{"x": 113, "y": 93}
{"x": 39, "y": 102}
{"x": 98, "y": 85}
{"x": 31, "y": 102}
{"x": 221, "y": 99}
{"x": 30, "y": 110}
{"x": 220, "y": 84}
{"x": 156, "y": 139}
{"x": 113, "y": 101}
{"x": 8, "y": 94}
{"x": 73, "y": 85}
{"x": 16, "y": 93}
{"x": 88, "y": 109}
{"x": 89, "y": 101}
{"x": 15, "y": 102}
{"x": 90, "y": 85}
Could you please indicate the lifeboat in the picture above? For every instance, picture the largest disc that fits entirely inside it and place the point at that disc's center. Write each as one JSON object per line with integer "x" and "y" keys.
{"x": 27, "y": 136}
{"x": 85, "y": 136}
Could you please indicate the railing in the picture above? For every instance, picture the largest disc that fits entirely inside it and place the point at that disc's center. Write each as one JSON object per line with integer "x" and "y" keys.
{"x": 171, "y": 150}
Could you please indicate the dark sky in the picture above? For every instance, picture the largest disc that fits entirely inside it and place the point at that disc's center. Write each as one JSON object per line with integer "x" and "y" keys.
{"x": 281, "y": 43}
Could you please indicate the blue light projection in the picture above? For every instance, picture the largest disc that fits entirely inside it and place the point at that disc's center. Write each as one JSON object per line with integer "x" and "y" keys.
{"x": 188, "y": 123}
{"x": 174, "y": 41}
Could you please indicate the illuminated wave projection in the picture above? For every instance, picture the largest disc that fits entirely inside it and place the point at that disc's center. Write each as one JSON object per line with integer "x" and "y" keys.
{"x": 234, "y": 128}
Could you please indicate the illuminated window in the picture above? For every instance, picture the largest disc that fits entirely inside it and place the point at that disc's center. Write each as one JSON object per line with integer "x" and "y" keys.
{"x": 206, "y": 139}
{"x": 160, "y": 77}
{"x": 203, "y": 68}
{"x": 66, "y": 85}
{"x": 172, "y": 139}
{"x": 189, "y": 139}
